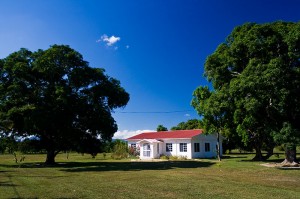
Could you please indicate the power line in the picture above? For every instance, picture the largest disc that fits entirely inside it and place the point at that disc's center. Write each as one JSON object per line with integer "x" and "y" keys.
{"x": 153, "y": 112}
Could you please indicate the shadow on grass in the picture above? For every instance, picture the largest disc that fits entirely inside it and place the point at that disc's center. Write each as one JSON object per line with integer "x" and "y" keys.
{"x": 7, "y": 184}
{"x": 134, "y": 166}
{"x": 279, "y": 160}
{"x": 233, "y": 157}
{"x": 118, "y": 166}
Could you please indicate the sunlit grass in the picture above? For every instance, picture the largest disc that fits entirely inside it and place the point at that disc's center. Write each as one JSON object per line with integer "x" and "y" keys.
{"x": 83, "y": 177}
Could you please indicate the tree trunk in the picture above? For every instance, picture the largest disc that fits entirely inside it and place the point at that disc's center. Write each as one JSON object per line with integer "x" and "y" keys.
{"x": 50, "y": 160}
{"x": 218, "y": 147}
{"x": 269, "y": 152}
{"x": 258, "y": 155}
{"x": 290, "y": 156}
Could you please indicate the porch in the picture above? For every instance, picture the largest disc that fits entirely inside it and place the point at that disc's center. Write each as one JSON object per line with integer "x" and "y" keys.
{"x": 150, "y": 148}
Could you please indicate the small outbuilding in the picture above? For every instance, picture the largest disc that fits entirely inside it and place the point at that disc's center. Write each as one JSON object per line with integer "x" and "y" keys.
{"x": 181, "y": 143}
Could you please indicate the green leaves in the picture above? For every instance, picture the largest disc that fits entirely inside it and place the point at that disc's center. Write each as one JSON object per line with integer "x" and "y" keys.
{"x": 161, "y": 128}
{"x": 255, "y": 74}
{"x": 189, "y": 125}
{"x": 55, "y": 95}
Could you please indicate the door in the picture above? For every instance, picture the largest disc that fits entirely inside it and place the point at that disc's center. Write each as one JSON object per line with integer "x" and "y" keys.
{"x": 146, "y": 150}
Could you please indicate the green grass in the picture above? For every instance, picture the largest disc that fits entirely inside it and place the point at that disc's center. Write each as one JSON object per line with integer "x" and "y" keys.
{"x": 84, "y": 177}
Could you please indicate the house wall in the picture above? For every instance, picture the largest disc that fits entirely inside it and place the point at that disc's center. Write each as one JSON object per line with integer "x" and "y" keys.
{"x": 176, "y": 147}
{"x": 157, "y": 150}
{"x": 190, "y": 153}
{"x": 202, "y": 139}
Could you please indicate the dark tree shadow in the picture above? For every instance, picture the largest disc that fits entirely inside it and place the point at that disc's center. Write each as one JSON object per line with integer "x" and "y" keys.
{"x": 279, "y": 160}
{"x": 288, "y": 168}
{"x": 233, "y": 157}
{"x": 118, "y": 166}
{"x": 133, "y": 166}
{"x": 25, "y": 198}
{"x": 7, "y": 184}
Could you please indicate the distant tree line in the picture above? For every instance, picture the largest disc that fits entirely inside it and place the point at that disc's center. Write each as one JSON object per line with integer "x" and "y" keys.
{"x": 117, "y": 148}
{"x": 10, "y": 145}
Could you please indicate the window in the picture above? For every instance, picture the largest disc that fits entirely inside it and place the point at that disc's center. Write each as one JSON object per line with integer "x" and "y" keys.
{"x": 197, "y": 147}
{"x": 157, "y": 148}
{"x": 146, "y": 150}
{"x": 133, "y": 146}
{"x": 183, "y": 147}
{"x": 169, "y": 147}
{"x": 207, "y": 147}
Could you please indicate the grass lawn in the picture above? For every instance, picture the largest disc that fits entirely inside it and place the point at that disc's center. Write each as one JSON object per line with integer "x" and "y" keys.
{"x": 83, "y": 177}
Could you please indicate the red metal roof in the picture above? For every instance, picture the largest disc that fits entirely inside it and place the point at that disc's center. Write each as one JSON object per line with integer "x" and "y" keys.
{"x": 167, "y": 134}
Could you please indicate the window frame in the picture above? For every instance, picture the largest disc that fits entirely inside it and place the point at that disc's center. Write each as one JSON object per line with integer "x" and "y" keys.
{"x": 207, "y": 147}
{"x": 169, "y": 147}
{"x": 197, "y": 146}
{"x": 183, "y": 147}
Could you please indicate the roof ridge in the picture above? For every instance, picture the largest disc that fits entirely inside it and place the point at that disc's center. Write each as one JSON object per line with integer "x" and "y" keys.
{"x": 179, "y": 130}
{"x": 168, "y": 134}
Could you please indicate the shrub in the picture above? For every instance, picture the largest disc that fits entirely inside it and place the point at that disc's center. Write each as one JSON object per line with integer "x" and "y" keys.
{"x": 134, "y": 151}
{"x": 120, "y": 150}
{"x": 182, "y": 157}
{"x": 164, "y": 157}
{"x": 173, "y": 157}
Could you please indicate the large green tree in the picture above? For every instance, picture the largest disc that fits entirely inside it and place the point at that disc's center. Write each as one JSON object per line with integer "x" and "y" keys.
{"x": 188, "y": 125}
{"x": 214, "y": 107}
{"x": 258, "y": 68}
{"x": 55, "y": 95}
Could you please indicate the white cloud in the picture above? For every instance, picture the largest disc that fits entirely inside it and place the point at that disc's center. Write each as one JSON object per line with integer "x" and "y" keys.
{"x": 109, "y": 41}
{"x": 187, "y": 115}
{"x": 127, "y": 133}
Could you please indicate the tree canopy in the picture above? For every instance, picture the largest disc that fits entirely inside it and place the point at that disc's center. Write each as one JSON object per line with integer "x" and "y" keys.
{"x": 188, "y": 125}
{"x": 55, "y": 95}
{"x": 255, "y": 75}
{"x": 161, "y": 128}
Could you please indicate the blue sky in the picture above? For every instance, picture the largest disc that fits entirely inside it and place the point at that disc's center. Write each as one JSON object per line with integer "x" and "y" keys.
{"x": 156, "y": 48}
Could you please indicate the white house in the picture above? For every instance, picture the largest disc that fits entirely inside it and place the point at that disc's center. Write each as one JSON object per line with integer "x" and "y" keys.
{"x": 185, "y": 143}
